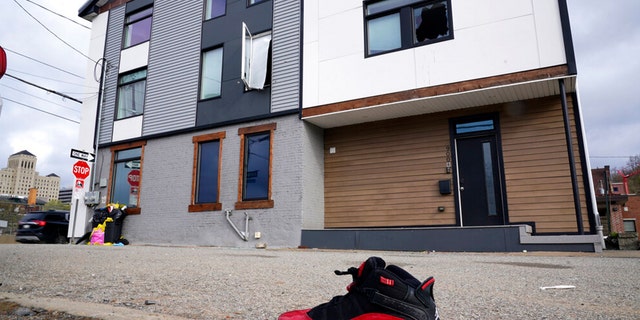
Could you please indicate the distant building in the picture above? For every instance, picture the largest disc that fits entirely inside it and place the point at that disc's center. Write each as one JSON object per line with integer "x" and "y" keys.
{"x": 20, "y": 176}
{"x": 65, "y": 195}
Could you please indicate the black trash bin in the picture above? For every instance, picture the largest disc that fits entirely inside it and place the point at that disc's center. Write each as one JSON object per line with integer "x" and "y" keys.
{"x": 113, "y": 228}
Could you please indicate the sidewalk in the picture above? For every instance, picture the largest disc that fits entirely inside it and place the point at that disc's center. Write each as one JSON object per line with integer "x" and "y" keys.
{"x": 151, "y": 282}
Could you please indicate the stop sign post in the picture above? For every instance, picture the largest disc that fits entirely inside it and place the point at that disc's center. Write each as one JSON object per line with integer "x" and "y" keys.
{"x": 81, "y": 171}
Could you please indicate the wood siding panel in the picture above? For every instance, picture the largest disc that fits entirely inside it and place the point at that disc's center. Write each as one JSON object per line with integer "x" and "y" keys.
{"x": 536, "y": 165}
{"x": 386, "y": 174}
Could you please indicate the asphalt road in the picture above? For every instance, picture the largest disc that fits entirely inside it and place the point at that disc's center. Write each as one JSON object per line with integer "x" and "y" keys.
{"x": 159, "y": 282}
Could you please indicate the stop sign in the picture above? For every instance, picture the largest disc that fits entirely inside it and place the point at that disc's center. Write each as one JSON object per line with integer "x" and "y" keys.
{"x": 81, "y": 170}
{"x": 134, "y": 177}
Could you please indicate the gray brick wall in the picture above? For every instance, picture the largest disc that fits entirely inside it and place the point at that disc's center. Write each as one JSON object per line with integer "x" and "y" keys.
{"x": 166, "y": 191}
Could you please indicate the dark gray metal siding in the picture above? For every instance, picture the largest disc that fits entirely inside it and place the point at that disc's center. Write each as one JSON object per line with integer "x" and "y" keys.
{"x": 235, "y": 104}
{"x": 112, "y": 55}
{"x": 174, "y": 62}
{"x": 285, "y": 88}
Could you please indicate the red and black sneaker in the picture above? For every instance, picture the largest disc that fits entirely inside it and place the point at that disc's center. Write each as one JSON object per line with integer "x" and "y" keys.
{"x": 376, "y": 293}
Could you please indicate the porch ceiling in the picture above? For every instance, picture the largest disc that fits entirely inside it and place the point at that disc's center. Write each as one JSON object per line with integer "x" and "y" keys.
{"x": 445, "y": 102}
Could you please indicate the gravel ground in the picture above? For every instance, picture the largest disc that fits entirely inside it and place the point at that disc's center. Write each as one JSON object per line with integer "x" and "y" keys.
{"x": 155, "y": 282}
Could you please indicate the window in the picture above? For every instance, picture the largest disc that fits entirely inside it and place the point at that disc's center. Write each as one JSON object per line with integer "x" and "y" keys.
{"x": 206, "y": 172}
{"x": 256, "y": 59}
{"x": 255, "y": 167}
{"x": 401, "y": 24}
{"x": 629, "y": 225}
{"x": 126, "y": 173}
{"x": 474, "y": 126}
{"x": 137, "y": 28}
{"x": 252, "y": 2}
{"x": 211, "y": 74}
{"x": 131, "y": 92}
{"x": 214, "y": 8}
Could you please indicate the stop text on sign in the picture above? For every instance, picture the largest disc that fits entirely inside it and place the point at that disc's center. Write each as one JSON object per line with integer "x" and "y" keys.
{"x": 81, "y": 170}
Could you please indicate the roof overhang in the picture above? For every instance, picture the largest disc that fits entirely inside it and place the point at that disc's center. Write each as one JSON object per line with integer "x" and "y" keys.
{"x": 90, "y": 9}
{"x": 439, "y": 99}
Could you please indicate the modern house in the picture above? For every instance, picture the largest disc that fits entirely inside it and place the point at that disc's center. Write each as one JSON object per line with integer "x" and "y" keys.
{"x": 398, "y": 125}
{"x": 448, "y": 125}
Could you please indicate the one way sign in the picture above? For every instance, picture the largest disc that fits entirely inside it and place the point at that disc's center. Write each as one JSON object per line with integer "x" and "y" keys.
{"x": 82, "y": 155}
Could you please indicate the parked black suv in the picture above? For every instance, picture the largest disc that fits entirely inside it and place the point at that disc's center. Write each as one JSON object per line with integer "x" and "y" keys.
{"x": 44, "y": 226}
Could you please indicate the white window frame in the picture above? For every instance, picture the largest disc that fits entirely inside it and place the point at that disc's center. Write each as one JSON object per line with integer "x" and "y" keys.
{"x": 255, "y": 58}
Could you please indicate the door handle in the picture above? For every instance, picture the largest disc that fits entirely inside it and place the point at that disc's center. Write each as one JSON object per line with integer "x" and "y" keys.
{"x": 461, "y": 188}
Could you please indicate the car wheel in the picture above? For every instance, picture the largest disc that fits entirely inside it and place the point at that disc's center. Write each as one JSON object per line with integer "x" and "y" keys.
{"x": 61, "y": 238}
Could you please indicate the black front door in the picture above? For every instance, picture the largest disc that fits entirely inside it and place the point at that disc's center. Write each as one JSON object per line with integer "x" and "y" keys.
{"x": 479, "y": 181}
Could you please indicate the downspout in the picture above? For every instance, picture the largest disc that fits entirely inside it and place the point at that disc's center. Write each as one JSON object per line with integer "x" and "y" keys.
{"x": 243, "y": 235}
{"x": 572, "y": 165}
{"x": 590, "y": 183}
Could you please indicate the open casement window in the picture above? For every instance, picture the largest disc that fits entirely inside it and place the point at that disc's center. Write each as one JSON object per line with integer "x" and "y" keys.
{"x": 207, "y": 159}
{"x": 255, "y": 58}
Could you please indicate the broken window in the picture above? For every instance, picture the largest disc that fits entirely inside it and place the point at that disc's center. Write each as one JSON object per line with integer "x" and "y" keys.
{"x": 430, "y": 21}
{"x": 256, "y": 59}
{"x": 401, "y": 24}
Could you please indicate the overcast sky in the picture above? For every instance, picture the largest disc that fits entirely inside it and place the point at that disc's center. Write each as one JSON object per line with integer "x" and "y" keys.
{"x": 606, "y": 39}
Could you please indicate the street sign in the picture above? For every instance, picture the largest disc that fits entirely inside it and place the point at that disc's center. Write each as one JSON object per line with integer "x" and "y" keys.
{"x": 81, "y": 170}
{"x": 134, "y": 178}
{"x": 133, "y": 164}
{"x": 82, "y": 155}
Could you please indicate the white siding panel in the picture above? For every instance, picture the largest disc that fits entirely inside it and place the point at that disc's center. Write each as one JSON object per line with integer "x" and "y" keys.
{"x": 349, "y": 78}
{"x": 549, "y": 32}
{"x": 128, "y": 128}
{"x": 174, "y": 62}
{"x": 492, "y": 37}
{"x": 487, "y": 50}
{"x": 473, "y": 13}
{"x": 134, "y": 57}
{"x": 342, "y": 35}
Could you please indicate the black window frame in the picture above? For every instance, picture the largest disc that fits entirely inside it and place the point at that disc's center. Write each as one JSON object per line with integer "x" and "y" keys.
{"x": 256, "y": 2}
{"x": 407, "y": 28}
{"x": 201, "y": 83}
{"x": 128, "y": 23}
{"x": 126, "y": 83}
{"x": 208, "y": 4}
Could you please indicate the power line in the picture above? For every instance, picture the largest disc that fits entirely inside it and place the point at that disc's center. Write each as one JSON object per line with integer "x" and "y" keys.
{"x": 45, "y": 8}
{"x": 45, "y": 89}
{"x": 46, "y": 64}
{"x": 56, "y": 80}
{"x": 39, "y": 98}
{"x": 55, "y": 35}
{"x": 47, "y": 112}
{"x": 609, "y": 157}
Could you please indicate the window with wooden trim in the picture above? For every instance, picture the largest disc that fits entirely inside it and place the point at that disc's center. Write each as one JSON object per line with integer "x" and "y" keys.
{"x": 256, "y": 154}
{"x": 207, "y": 160}
{"x": 126, "y": 175}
